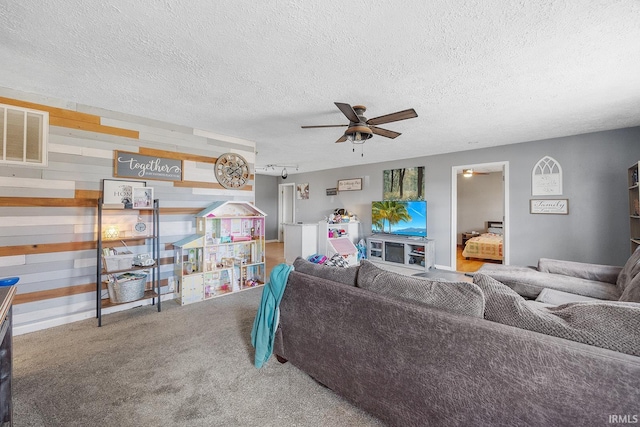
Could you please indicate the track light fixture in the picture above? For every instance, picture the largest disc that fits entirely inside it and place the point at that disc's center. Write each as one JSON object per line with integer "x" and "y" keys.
{"x": 284, "y": 174}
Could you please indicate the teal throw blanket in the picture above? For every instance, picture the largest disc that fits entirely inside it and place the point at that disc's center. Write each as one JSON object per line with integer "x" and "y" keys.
{"x": 266, "y": 321}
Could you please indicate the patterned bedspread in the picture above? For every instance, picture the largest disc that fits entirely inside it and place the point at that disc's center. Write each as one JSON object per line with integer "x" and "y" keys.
{"x": 485, "y": 246}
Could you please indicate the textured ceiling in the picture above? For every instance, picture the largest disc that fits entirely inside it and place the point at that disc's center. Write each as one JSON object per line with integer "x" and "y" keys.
{"x": 479, "y": 73}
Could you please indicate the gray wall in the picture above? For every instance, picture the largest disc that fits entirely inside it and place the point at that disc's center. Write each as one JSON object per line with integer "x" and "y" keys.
{"x": 594, "y": 166}
{"x": 266, "y": 189}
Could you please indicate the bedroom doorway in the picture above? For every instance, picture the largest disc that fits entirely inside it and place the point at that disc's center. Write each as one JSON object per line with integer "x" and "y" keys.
{"x": 479, "y": 201}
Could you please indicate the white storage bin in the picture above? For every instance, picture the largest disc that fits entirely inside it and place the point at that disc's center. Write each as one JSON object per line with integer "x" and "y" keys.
{"x": 118, "y": 262}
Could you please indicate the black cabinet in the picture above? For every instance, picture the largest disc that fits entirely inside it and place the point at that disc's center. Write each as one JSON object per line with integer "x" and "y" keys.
{"x": 6, "y": 356}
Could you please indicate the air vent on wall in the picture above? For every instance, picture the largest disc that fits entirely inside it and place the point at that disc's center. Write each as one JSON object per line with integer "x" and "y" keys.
{"x": 23, "y": 136}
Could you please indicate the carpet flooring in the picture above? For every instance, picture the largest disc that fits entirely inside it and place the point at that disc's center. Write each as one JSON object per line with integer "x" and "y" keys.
{"x": 185, "y": 366}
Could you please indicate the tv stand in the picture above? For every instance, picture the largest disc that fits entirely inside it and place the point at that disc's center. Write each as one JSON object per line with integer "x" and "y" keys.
{"x": 406, "y": 251}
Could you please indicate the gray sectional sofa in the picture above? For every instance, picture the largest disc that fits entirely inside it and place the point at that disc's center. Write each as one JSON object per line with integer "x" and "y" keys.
{"x": 554, "y": 281}
{"x": 418, "y": 358}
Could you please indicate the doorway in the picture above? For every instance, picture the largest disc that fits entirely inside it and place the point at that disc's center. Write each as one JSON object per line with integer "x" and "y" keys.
{"x": 501, "y": 169}
{"x": 286, "y": 207}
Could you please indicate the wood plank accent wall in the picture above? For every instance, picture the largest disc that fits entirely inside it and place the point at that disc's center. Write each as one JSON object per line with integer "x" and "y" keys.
{"x": 72, "y": 119}
{"x": 48, "y": 224}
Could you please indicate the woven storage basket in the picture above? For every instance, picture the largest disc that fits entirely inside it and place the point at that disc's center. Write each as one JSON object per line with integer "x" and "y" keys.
{"x": 127, "y": 289}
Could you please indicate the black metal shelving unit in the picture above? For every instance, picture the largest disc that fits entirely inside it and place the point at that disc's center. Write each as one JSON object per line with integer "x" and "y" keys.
{"x": 152, "y": 240}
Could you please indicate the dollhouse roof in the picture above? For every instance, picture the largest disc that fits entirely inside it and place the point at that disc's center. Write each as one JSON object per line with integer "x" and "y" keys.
{"x": 230, "y": 208}
{"x": 195, "y": 240}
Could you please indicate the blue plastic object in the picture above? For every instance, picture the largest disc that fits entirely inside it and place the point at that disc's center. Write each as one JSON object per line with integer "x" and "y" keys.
{"x": 9, "y": 281}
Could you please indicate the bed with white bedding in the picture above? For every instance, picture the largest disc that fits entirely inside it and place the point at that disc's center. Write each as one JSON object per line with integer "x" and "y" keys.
{"x": 487, "y": 245}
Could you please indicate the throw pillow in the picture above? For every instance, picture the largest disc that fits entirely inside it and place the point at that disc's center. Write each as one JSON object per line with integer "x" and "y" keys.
{"x": 455, "y": 297}
{"x": 611, "y": 325}
{"x": 345, "y": 276}
{"x": 629, "y": 271}
{"x": 632, "y": 290}
{"x": 337, "y": 260}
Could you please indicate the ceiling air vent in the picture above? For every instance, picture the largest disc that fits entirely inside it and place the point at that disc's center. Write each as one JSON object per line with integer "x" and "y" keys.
{"x": 23, "y": 136}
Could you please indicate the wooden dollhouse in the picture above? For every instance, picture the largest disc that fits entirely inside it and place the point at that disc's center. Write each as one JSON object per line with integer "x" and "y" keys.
{"x": 225, "y": 255}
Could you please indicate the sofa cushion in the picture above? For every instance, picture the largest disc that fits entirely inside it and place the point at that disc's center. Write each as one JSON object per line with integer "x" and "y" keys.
{"x": 582, "y": 270}
{"x": 629, "y": 272}
{"x": 342, "y": 275}
{"x": 456, "y": 297}
{"x": 555, "y": 297}
{"x": 529, "y": 282}
{"x": 606, "y": 324}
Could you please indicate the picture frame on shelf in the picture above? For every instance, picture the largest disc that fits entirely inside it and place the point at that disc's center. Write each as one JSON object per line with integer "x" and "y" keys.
{"x": 142, "y": 197}
{"x": 119, "y": 192}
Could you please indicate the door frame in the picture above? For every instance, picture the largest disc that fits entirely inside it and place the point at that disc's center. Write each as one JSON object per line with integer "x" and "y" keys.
{"x": 282, "y": 207}
{"x": 454, "y": 208}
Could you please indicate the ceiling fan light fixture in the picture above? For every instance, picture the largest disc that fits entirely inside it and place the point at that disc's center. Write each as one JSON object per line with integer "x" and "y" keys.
{"x": 358, "y": 134}
{"x": 467, "y": 173}
{"x": 284, "y": 173}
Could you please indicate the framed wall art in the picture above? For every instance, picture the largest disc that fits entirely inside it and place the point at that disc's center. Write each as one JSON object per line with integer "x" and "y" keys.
{"x": 115, "y": 191}
{"x": 549, "y": 206}
{"x": 546, "y": 178}
{"x": 403, "y": 184}
{"x": 352, "y": 184}
{"x": 142, "y": 197}
{"x": 302, "y": 191}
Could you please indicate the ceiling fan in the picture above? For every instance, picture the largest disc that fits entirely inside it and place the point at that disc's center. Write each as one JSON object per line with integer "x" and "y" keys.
{"x": 360, "y": 128}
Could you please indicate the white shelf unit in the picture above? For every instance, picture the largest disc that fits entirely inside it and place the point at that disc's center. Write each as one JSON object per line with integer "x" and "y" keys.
{"x": 634, "y": 205}
{"x": 402, "y": 251}
{"x": 226, "y": 255}
{"x": 327, "y": 231}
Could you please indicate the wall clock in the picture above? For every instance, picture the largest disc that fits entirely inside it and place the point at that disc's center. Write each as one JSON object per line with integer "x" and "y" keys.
{"x": 232, "y": 170}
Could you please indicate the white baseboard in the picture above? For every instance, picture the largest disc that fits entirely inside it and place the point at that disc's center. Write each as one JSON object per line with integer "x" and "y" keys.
{"x": 76, "y": 317}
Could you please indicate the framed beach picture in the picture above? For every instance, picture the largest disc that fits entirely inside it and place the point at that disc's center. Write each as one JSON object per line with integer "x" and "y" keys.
{"x": 142, "y": 197}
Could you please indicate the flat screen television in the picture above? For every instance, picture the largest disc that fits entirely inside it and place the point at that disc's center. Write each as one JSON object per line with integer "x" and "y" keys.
{"x": 404, "y": 218}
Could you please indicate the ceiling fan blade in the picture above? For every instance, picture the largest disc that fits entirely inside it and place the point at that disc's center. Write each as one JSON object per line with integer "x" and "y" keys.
{"x": 343, "y": 138}
{"x": 393, "y": 117}
{"x": 348, "y": 111}
{"x": 323, "y": 126}
{"x": 384, "y": 132}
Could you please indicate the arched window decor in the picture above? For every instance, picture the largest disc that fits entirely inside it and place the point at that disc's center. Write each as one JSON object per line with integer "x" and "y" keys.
{"x": 546, "y": 178}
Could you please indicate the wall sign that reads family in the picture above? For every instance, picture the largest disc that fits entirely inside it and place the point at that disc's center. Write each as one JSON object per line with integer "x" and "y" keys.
{"x": 134, "y": 165}
{"x": 549, "y": 206}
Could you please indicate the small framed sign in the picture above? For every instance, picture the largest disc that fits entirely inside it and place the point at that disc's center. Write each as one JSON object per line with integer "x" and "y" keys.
{"x": 142, "y": 197}
{"x": 353, "y": 184}
{"x": 549, "y": 206}
{"x": 332, "y": 191}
